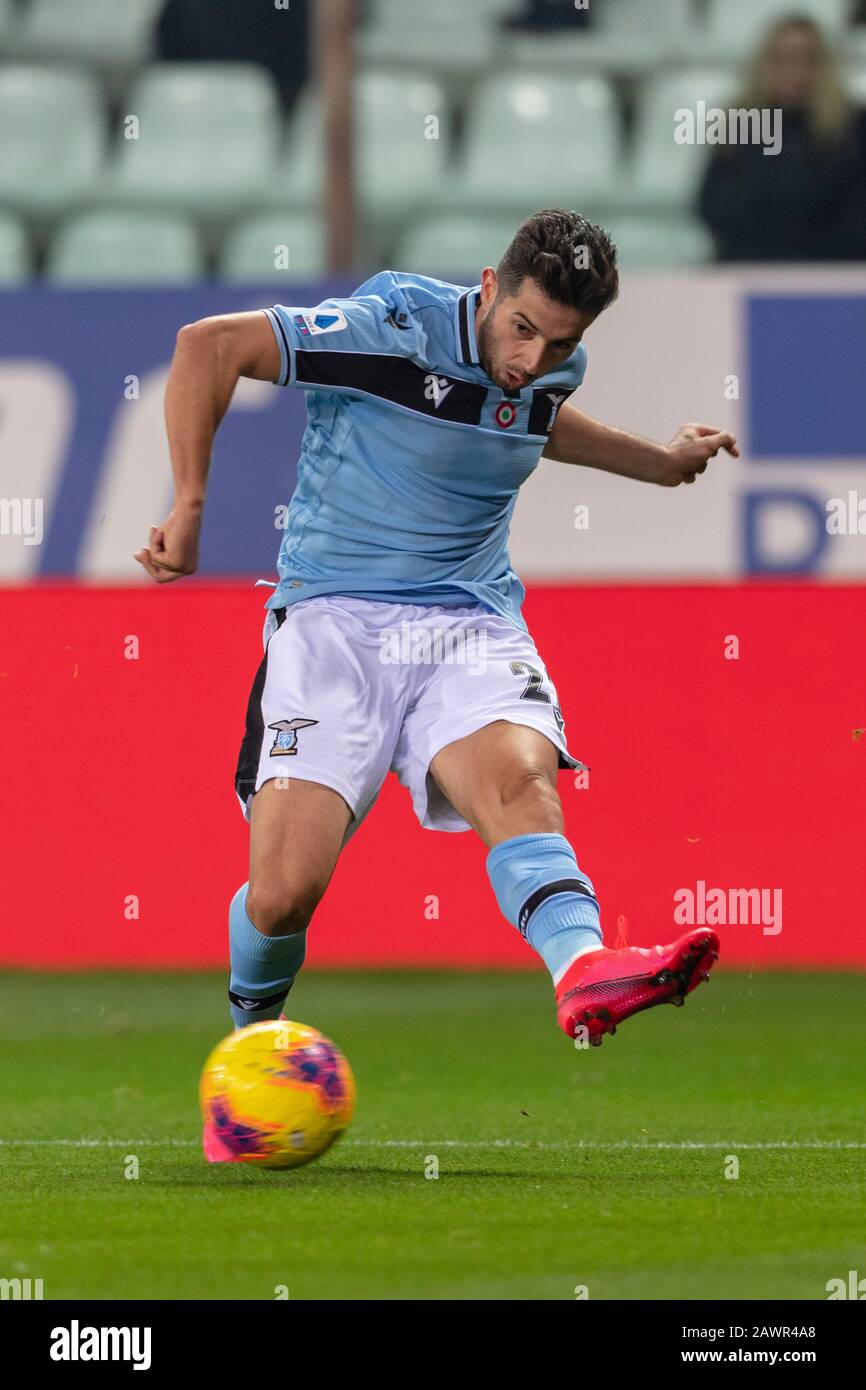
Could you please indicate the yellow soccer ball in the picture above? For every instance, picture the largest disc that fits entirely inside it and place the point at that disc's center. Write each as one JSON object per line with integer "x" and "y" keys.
{"x": 276, "y": 1094}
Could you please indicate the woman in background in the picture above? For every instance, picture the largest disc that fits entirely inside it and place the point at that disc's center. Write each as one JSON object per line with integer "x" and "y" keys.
{"x": 808, "y": 202}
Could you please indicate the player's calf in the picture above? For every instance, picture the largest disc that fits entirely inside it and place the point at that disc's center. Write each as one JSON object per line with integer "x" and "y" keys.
{"x": 543, "y": 892}
{"x": 502, "y": 780}
{"x": 263, "y": 965}
{"x": 296, "y": 831}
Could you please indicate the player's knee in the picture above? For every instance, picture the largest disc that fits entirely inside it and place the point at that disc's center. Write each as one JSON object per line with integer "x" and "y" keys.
{"x": 529, "y": 788}
{"x": 277, "y": 909}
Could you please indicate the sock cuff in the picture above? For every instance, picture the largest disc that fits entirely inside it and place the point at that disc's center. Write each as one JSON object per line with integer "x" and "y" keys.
{"x": 254, "y": 943}
{"x": 542, "y": 890}
{"x": 520, "y": 844}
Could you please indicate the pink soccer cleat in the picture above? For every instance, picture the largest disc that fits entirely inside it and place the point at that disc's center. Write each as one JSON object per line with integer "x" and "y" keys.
{"x": 604, "y": 987}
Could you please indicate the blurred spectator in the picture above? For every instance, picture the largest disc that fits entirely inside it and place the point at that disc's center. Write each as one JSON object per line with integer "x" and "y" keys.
{"x": 252, "y": 32}
{"x": 808, "y": 202}
{"x": 547, "y": 16}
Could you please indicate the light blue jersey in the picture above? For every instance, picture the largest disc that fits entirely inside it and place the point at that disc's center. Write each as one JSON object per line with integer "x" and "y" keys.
{"x": 412, "y": 456}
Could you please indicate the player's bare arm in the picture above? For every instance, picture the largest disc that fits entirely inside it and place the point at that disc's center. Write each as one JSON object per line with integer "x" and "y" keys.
{"x": 210, "y": 357}
{"x": 577, "y": 438}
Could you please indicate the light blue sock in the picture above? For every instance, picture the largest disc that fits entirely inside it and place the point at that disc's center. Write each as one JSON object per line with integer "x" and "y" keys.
{"x": 543, "y": 893}
{"x": 263, "y": 967}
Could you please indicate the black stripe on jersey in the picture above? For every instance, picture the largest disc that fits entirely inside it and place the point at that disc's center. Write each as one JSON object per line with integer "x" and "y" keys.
{"x": 392, "y": 378}
{"x": 463, "y": 321}
{"x": 254, "y": 733}
{"x": 544, "y": 405}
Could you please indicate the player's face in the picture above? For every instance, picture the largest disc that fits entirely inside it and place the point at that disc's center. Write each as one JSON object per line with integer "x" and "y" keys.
{"x": 525, "y": 335}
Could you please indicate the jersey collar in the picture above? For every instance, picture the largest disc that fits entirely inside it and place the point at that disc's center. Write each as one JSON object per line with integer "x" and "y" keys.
{"x": 464, "y": 325}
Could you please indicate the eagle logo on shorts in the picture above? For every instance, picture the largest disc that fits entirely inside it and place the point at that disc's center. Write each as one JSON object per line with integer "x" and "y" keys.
{"x": 286, "y": 740}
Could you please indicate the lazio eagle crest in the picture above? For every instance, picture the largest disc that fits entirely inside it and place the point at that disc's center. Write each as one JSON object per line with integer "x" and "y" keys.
{"x": 286, "y": 736}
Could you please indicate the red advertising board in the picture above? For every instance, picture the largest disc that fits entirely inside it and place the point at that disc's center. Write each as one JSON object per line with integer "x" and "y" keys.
{"x": 720, "y": 724}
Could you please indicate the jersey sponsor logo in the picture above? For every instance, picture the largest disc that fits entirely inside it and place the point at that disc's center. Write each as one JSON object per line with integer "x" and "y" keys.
{"x": 505, "y": 414}
{"x": 436, "y": 388}
{"x": 321, "y": 321}
{"x": 286, "y": 736}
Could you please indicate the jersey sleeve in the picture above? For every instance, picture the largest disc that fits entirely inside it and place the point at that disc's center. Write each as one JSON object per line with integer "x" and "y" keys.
{"x": 340, "y": 344}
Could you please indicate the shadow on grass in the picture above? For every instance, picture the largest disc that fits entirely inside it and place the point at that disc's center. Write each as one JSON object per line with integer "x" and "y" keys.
{"x": 238, "y": 1177}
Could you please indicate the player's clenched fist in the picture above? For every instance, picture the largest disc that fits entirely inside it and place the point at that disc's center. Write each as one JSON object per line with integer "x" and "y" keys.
{"x": 690, "y": 450}
{"x": 173, "y": 549}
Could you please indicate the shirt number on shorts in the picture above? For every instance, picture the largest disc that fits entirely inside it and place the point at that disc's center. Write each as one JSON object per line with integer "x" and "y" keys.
{"x": 533, "y": 690}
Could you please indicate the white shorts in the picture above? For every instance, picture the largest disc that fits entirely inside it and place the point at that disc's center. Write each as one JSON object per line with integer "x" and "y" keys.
{"x": 350, "y": 688}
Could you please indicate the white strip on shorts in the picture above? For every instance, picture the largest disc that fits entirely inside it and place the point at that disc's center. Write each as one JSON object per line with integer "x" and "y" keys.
{"x": 353, "y": 687}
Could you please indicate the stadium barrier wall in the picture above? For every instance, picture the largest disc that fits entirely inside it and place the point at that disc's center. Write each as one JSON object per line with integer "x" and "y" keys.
{"x": 723, "y": 727}
{"x": 775, "y": 354}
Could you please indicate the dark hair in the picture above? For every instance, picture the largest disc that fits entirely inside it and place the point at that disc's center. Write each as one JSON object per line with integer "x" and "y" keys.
{"x": 545, "y": 248}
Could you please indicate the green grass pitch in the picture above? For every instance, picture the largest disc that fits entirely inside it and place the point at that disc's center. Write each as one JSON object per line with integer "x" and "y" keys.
{"x": 557, "y": 1168}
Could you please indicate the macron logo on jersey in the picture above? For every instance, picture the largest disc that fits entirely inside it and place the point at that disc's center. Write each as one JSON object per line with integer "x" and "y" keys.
{"x": 436, "y": 388}
{"x": 323, "y": 321}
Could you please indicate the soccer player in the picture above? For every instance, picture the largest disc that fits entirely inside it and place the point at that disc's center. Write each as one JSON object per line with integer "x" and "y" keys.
{"x": 394, "y": 638}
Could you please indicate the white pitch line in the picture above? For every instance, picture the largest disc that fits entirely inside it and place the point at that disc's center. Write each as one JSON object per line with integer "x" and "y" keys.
{"x": 685, "y": 1145}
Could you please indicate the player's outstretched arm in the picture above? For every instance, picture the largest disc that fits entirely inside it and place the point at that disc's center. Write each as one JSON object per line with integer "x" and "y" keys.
{"x": 209, "y": 358}
{"x": 577, "y": 438}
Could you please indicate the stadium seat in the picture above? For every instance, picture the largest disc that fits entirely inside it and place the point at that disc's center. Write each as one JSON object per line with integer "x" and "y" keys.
{"x": 621, "y": 40}
{"x": 454, "y": 247}
{"x": 207, "y": 140}
{"x": 125, "y": 247}
{"x": 662, "y": 173}
{"x": 253, "y": 250}
{"x": 457, "y": 247}
{"x": 14, "y": 251}
{"x": 659, "y": 242}
{"x": 724, "y": 38}
{"x": 103, "y": 32}
{"x": 53, "y": 136}
{"x": 669, "y": 18}
{"x": 450, "y": 36}
{"x": 398, "y": 166}
{"x": 534, "y": 140}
